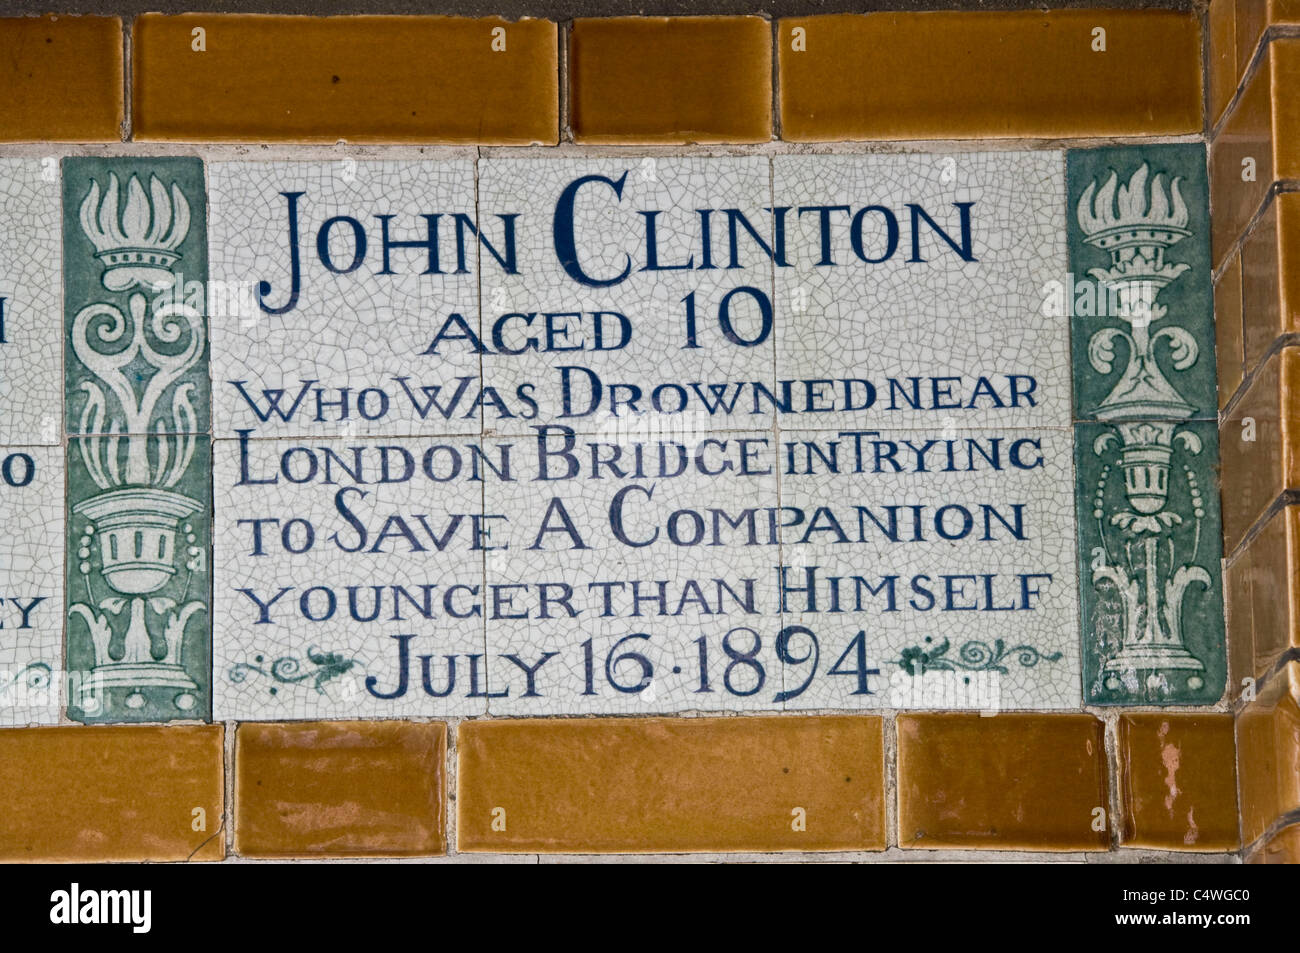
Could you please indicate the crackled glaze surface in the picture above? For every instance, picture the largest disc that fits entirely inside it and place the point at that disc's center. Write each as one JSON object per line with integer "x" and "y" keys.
{"x": 31, "y": 367}
{"x": 306, "y": 343}
{"x": 728, "y": 455}
{"x": 31, "y": 572}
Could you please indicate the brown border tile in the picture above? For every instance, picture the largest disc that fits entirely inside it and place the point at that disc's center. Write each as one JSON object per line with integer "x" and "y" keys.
{"x": 112, "y": 793}
{"x": 674, "y": 80}
{"x": 1268, "y": 753}
{"x": 365, "y": 79}
{"x": 670, "y": 785}
{"x": 340, "y": 789}
{"x": 1178, "y": 781}
{"x": 1010, "y": 782}
{"x": 989, "y": 75}
{"x": 62, "y": 78}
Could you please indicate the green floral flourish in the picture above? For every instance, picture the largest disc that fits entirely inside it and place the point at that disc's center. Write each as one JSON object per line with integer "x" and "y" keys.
{"x": 973, "y": 656}
{"x": 288, "y": 670}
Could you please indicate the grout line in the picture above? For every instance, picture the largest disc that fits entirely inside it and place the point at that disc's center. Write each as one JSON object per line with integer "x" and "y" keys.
{"x": 1207, "y": 121}
{"x": 564, "y": 37}
{"x": 1275, "y": 827}
{"x": 775, "y": 107}
{"x": 1277, "y": 187}
{"x": 1284, "y": 499}
{"x": 1260, "y": 53}
{"x": 893, "y": 855}
{"x": 64, "y": 453}
{"x": 229, "y": 808}
{"x": 1248, "y": 379}
{"x": 318, "y": 151}
{"x": 127, "y": 131}
{"x": 1236, "y": 767}
{"x": 1265, "y": 681}
{"x": 450, "y": 801}
{"x": 890, "y": 729}
{"x": 1115, "y": 806}
{"x": 1100, "y": 712}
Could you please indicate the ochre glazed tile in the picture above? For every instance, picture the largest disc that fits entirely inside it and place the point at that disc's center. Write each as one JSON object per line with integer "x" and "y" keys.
{"x": 1256, "y": 16}
{"x": 1236, "y": 29}
{"x": 1015, "y": 781}
{"x": 1260, "y": 287}
{"x": 1263, "y": 599}
{"x": 1241, "y": 163}
{"x": 340, "y": 789}
{"x": 1270, "y": 274}
{"x": 112, "y": 793}
{"x": 1178, "y": 781}
{"x": 1288, "y": 257}
{"x": 1282, "y": 848}
{"x": 364, "y": 79}
{"x": 1260, "y": 446}
{"x": 671, "y": 79}
{"x": 1268, "y": 754}
{"x": 988, "y": 75}
{"x": 1223, "y": 78}
{"x": 62, "y": 79}
{"x": 1228, "y": 348}
{"x": 1258, "y": 144}
{"x": 670, "y": 785}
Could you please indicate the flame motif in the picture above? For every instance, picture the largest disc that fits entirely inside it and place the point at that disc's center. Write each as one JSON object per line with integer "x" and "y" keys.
{"x": 1100, "y": 210}
{"x": 161, "y": 223}
{"x": 138, "y": 243}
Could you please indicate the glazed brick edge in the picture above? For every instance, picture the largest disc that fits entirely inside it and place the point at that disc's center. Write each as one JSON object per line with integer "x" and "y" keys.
{"x": 1253, "y": 57}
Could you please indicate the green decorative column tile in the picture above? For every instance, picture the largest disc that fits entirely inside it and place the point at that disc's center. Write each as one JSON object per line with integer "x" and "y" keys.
{"x": 1150, "y": 579}
{"x": 1140, "y": 297}
{"x": 135, "y": 236}
{"x": 139, "y": 461}
{"x": 139, "y": 584}
{"x": 1146, "y": 444}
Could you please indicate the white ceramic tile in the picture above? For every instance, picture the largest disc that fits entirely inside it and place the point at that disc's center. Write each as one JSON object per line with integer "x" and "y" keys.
{"x": 31, "y": 584}
{"x": 31, "y": 344}
{"x": 646, "y": 368}
{"x": 332, "y": 611}
{"x": 352, "y": 328}
{"x": 951, "y": 561}
{"x": 577, "y": 549}
{"x": 941, "y": 317}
